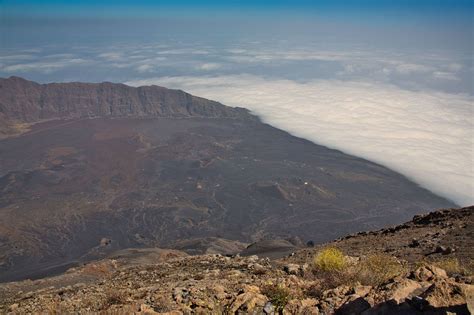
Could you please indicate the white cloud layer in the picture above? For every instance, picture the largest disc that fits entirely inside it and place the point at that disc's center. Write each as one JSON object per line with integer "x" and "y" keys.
{"x": 44, "y": 67}
{"x": 209, "y": 66}
{"x": 425, "y": 135}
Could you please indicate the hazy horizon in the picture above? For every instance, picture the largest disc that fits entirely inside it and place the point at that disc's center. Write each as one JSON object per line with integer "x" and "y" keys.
{"x": 388, "y": 81}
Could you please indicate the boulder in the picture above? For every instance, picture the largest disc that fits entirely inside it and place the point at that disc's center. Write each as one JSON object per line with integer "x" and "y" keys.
{"x": 251, "y": 301}
{"x": 362, "y": 290}
{"x": 338, "y": 292}
{"x": 301, "y": 306}
{"x": 414, "y": 243}
{"x": 444, "y": 293}
{"x": 292, "y": 269}
{"x": 14, "y": 307}
{"x": 468, "y": 291}
{"x": 401, "y": 289}
{"x": 218, "y": 291}
{"x": 444, "y": 250}
{"x": 252, "y": 259}
{"x": 179, "y": 293}
{"x": 428, "y": 273}
{"x": 438, "y": 272}
{"x": 269, "y": 309}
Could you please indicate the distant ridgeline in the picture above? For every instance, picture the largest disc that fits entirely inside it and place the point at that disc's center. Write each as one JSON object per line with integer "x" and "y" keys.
{"x": 23, "y": 101}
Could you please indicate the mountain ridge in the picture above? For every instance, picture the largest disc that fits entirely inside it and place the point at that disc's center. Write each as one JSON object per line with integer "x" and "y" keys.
{"x": 24, "y": 101}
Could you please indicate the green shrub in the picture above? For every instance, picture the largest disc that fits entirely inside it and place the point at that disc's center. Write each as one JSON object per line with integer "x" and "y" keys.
{"x": 278, "y": 295}
{"x": 330, "y": 259}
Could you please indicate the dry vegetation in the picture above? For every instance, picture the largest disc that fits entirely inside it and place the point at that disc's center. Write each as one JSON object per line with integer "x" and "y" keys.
{"x": 335, "y": 269}
{"x": 377, "y": 269}
{"x": 453, "y": 267}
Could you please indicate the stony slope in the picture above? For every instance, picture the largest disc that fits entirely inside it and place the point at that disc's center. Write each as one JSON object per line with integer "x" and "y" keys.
{"x": 169, "y": 282}
{"x": 432, "y": 236}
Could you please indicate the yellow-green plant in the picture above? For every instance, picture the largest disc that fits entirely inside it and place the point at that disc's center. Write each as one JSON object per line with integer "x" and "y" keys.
{"x": 452, "y": 266}
{"x": 330, "y": 259}
{"x": 376, "y": 269}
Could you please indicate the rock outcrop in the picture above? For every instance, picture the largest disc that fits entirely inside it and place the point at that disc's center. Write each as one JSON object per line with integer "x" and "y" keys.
{"x": 23, "y": 101}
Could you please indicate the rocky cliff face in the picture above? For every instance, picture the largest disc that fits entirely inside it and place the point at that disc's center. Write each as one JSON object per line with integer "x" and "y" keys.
{"x": 26, "y": 101}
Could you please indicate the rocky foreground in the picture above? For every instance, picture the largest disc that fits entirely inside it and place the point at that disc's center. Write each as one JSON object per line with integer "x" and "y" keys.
{"x": 421, "y": 267}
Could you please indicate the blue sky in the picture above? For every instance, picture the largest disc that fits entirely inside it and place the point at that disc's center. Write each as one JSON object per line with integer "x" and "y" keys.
{"x": 252, "y": 3}
{"x": 390, "y": 81}
{"x": 149, "y": 7}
